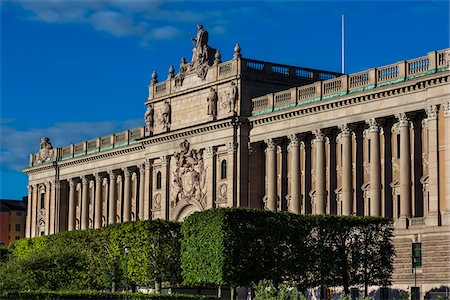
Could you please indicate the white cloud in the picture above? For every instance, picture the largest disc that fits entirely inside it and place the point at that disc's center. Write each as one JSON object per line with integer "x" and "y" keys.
{"x": 17, "y": 145}
{"x": 165, "y": 32}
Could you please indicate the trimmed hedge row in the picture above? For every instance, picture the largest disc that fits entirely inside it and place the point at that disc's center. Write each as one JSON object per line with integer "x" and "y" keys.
{"x": 95, "y": 259}
{"x": 82, "y": 295}
{"x": 243, "y": 246}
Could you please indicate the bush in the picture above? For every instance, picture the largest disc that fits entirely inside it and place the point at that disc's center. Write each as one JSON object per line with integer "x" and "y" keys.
{"x": 44, "y": 295}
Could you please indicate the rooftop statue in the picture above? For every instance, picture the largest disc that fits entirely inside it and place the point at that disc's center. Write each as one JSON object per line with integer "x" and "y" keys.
{"x": 202, "y": 53}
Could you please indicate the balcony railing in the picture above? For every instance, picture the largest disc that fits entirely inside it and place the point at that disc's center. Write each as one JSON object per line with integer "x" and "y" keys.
{"x": 332, "y": 87}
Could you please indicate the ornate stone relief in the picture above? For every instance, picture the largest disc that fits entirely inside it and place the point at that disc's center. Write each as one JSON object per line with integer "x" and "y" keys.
{"x": 229, "y": 99}
{"x": 189, "y": 176}
{"x": 46, "y": 151}
{"x": 432, "y": 111}
{"x": 222, "y": 190}
{"x": 447, "y": 106}
{"x": 179, "y": 78}
{"x": 157, "y": 201}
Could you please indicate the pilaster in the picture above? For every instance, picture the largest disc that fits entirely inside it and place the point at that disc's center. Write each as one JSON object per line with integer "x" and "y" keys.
{"x": 375, "y": 168}
{"x": 405, "y": 170}
{"x": 446, "y": 215}
{"x": 231, "y": 173}
{"x": 432, "y": 216}
{"x": 210, "y": 177}
{"x": 271, "y": 174}
{"x": 71, "y": 216}
{"x": 140, "y": 214}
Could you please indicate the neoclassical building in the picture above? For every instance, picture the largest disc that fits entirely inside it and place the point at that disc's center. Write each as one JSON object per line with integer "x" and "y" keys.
{"x": 248, "y": 133}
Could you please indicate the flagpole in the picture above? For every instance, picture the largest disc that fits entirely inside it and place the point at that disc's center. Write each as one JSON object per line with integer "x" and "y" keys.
{"x": 342, "y": 49}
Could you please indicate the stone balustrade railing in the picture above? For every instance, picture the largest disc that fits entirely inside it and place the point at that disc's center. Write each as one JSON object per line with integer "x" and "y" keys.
{"x": 325, "y": 89}
{"x": 245, "y": 66}
{"x": 104, "y": 143}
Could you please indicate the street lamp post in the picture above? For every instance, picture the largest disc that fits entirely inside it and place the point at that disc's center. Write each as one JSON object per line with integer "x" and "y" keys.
{"x": 126, "y": 250}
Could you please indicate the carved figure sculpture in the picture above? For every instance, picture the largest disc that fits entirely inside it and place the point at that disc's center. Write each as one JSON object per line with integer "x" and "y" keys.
{"x": 179, "y": 78}
{"x": 212, "y": 102}
{"x": 46, "y": 150}
{"x": 149, "y": 118}
{"x": 189, "y": 176}
{"x": 232, "y": 97}
{"x": 165, "y": 115}
{"x": 200, "y": 44}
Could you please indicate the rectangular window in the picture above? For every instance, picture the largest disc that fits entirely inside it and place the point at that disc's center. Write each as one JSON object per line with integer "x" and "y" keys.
{"x": 398, "y": 145}
{"x": 416, "y": 255}
{"x": 17, "y": 227}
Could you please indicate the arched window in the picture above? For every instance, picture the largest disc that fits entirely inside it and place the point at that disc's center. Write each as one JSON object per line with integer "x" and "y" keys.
{"x": 158, "y": 180}
{"x": 42, "y": 200}
{"x": 223, "y": 169}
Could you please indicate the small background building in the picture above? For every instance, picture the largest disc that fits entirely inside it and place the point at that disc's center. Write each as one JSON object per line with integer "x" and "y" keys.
{"x": 12, "y": 220}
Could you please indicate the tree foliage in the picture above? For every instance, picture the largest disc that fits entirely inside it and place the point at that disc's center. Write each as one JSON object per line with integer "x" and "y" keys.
{"x": 244, "y": 246}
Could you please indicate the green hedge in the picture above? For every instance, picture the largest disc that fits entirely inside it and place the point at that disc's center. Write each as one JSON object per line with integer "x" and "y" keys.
{"x": 44, "y": 295}
{"x": 243, "y": 246}
{"x": 95, "y": 259}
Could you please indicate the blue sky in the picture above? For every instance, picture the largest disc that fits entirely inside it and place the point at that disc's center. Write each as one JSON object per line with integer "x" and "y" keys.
{"x": 74, "y": 70}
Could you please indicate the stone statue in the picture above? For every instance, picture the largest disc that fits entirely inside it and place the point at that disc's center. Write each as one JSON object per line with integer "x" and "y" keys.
{"x": 179, "y": 78}
{"x": 165, "y": 115}
{"x": 232, "y": 97}
{"x": 200, "y": 44}
{"x": 212, "y": 102}
{"x": 46, "y": 150}
{"x": 149, "y": 118}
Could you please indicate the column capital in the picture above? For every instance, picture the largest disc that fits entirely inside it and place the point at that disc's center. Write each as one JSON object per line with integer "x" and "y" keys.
{"x": 318, "y": 135}
{"x": 48, "y": 184}
{"x": 345, "y": 131}
{"x": 210, "y": 151}
{"x": 35, "y": 187}
{"x": 71, "y": 182}
{"x": 98, "y": 177}
{"x": 84, "y": 180}
{"x": 164, "y": 159}
{"x": 373, "y": 125}
{"x": 126, "y": 172}
{"x": 29, "y": 188}
{"x": 112, "y": 175}
{"x": 57, "y": 184}
{"x": 271, "y": 146}
{"x": 447, "y": 109}
{"x": 432, "y": 111}
{"x": 293, "y": 139}
{"x": 141, "y": 167}
{"x": 231, "y": 147}
{"x": 402, "y": 119}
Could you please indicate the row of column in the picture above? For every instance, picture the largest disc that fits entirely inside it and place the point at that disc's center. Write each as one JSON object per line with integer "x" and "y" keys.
{"x": 402, "y": 126}
{"x": 112, "y": 198}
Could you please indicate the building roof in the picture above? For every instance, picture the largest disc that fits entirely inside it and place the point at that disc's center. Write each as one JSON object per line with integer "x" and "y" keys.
{"x": 8, "y": 205}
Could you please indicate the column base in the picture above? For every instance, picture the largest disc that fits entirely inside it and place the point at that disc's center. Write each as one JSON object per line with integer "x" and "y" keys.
{"x": 446, "y": 218}
{"x": 432, "y": 219}
{"x": 401, "y": 223}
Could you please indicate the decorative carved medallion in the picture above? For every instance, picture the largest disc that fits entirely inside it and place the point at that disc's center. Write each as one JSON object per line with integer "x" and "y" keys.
{"x": 189, "y": 176}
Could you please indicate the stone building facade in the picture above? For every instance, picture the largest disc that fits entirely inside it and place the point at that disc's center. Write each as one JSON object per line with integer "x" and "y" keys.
{"x": 248, "y": 133}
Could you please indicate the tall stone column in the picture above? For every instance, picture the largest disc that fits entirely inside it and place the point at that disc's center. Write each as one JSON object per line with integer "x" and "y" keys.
{"x": 141, "y": 191}
{"x": 48, "y": 186}
{"x": 231, "y": 189}
{"x": 126, "y": 195}
{"x": 34, "y": 210}
{"x": 148, "y": 191}
{"x": 53, "y": 193}
{"x": 164, "y": 187}
{"x": 84, "y": 203}
{"x": 98, "y": 201}
{"x": 345, "y": 138}
{"x": 57, "y": 208}
{"x": 432, "y": 219}
{"x": 295, "y": 197}
{"x": 446, "y": 215}
{"x": 29, "y": 205}
{"x": 210, "y": 177}
{"x": 375, "y": 168}
{"x": 112, "y": 198}
{"x": 320, "y": 198}
{"x": 71, "y": 216}
{"x": 405, "y": 170}
{"x": 271, "y": 171}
